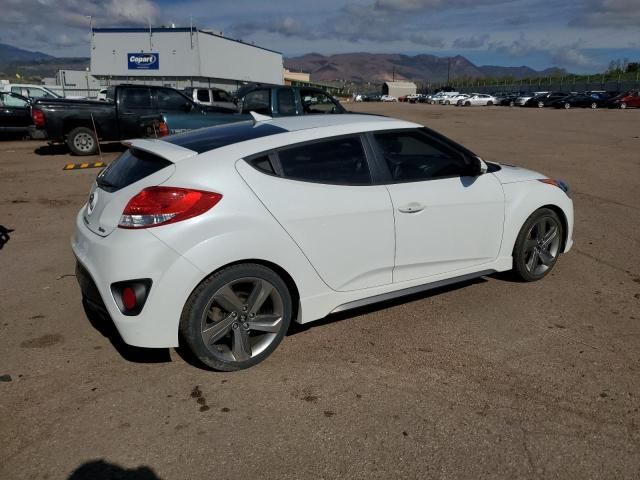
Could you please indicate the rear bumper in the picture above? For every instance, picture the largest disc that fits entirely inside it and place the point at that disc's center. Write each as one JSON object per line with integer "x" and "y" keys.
{"x": 126, "y": 255}
{"x": 36, "y": 133}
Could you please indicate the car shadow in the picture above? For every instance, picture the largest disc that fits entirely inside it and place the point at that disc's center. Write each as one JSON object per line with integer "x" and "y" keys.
{"x": 296, "y": 328}
{"x": 4, "y": 235}
{"x": 102, "y": 323}
{"x": 102, "y": 470}
{"x": 50, "y": 149}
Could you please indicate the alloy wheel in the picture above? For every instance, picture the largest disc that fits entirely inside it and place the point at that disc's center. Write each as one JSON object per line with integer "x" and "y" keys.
{"x": 242, "y": 319}
{"x": 542, "y": 245}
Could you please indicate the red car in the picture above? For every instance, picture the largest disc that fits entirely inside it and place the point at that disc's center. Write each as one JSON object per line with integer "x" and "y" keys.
{"x": 630, "y": 99}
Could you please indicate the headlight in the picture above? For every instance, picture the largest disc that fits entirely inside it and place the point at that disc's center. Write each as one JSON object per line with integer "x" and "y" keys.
{"x": 557, "y": 183}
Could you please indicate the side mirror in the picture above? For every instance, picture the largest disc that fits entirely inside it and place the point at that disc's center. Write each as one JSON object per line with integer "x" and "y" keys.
{"x": 477, "y": 167}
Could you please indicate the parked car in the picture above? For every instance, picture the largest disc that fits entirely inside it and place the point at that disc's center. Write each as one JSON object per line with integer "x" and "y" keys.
{"x": 388, "y": 98}
{"x": 215, "y": 97}
{"x": 131, "y": 111}
{"x": 524, "y": 98}
{"x": 413, "y": 97}
{"x": 30, "y": 91}
{"x": 268, "y": 100}
{"x": 581, "y": 100}
{"x": 15, "y": 113}
{"x": 453, "y": 99}
{"x": 440, "y": 97}
{"x": 477, "y": 99}
{"x": 508, "y": 100}
{"x": 625, "y": 100}
{"x": 224, "y": 236}
{"x": 545, "y": 99}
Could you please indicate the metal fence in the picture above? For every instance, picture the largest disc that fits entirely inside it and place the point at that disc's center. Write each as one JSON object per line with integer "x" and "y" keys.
{"x": 620, "y": 82}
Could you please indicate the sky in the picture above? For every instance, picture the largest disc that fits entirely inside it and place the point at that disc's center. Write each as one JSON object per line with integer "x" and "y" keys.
{"x": 579, "y": 35}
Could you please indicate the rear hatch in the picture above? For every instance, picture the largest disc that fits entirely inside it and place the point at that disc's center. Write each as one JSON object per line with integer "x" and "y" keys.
{"x": 145, "y": 164}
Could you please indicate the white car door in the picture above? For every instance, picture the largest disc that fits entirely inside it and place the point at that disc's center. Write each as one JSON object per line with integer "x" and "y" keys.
{"x": 321, "y": 193}
{"x": 446, "y": 219}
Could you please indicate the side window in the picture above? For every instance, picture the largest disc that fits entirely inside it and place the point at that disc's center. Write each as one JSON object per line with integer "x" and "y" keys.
{"x": 263, "y": 164}
{"x": 339, "y": 161}
{"x": 203, "y": 95}
{"x": 13, "y": 101}
{"x": 221, "y": 96}
{"x": 17, "y": 90}
{"x": 413, "y": 156}
{"x": 136, "y": 98}
{"x": 258, "y": 101}
{"x": 317, "y": 102}
{"x": 286, "y": 102}
{"x": 171, "y": 100}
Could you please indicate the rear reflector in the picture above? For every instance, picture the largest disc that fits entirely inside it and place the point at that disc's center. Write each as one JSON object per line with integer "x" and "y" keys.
{"x": 131, "y": 295}
{"x": 156, "y": 206}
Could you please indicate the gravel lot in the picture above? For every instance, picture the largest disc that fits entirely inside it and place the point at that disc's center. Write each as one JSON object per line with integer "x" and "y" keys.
{"x": 489, "y": 379}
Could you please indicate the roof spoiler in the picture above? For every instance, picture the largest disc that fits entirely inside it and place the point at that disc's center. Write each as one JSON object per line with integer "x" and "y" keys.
{"x": 259, "y": 118}
{"x": 169, "y": 151}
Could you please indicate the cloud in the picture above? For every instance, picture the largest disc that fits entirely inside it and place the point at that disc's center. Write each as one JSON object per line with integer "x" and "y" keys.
{"x": 608, "y": 13}
{"x": 475, "y": 41}
{"x": 22, "y": 21}
{"x": 287, "y": 27}
{"x": 569, "y": 55}
{"x": 410, "y": 6}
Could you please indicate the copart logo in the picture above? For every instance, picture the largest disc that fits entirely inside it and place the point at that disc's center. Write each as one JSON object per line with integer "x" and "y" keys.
{"x": 143, "y": 61}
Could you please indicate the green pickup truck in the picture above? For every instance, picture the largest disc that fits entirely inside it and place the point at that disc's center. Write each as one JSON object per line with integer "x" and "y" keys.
{"x": 269, "y": 100}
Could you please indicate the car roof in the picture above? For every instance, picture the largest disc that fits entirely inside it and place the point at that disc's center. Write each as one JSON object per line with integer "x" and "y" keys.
{"x": 211, "y": 138}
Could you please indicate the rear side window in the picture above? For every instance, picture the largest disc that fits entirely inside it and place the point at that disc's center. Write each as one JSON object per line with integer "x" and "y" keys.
{"x": 203, "y": 96}
{"x": 258, "y": 101}
{"x": 131, "y": 166}
{"x": 136, "y": 98}
{"x": 339, "y": 161}
{"x": 286, "y": 102}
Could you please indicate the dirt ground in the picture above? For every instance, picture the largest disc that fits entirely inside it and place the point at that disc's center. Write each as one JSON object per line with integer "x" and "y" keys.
{"x": 491, "y": 379}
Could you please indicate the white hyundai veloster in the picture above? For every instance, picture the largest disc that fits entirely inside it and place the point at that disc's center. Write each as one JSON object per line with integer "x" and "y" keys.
{"x": 217, "y": 239}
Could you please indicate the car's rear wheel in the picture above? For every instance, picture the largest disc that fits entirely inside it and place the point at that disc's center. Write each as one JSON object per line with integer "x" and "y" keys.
{"x": 468, "y": 104}
{"x": 538, "y": 245}
{"x": 540, "y": 104}
{"x": 237, "y": 317}
{"x": 512, "y": 104}
{"x": 623, "y": 105}
{"x": 82, "y": 141}
{"x": 567, "y": 106}
{"x": 594, "y": 105}
{"x": 489, "y": 103}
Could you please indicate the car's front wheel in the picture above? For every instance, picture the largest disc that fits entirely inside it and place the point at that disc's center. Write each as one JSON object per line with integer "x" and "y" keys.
{"x": 538, "y": 245}
{"x": 237, "y": 317}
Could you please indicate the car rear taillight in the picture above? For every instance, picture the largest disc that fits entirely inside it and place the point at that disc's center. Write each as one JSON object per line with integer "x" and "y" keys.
{"x": 163, "y": 129}
{"x": 156, "y": 206}
{"x": 38, "y": 118}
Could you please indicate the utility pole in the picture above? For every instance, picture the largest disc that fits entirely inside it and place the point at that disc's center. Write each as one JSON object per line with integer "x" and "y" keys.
{"x": 448, "y": 69}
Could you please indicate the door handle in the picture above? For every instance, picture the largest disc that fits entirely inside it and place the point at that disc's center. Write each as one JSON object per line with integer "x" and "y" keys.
{"x": 413, "y": 207}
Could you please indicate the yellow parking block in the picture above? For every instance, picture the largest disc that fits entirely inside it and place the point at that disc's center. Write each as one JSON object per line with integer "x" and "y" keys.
{"x": 77, "y": 166}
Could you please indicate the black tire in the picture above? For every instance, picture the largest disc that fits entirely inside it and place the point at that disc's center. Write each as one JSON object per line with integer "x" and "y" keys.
{"x": 468, "y": 104}
{"x": 489, "y": 103}
{"x": 521, "y": 250}
{"x": 82, "y": 141}
{"x": 196, "y": 311}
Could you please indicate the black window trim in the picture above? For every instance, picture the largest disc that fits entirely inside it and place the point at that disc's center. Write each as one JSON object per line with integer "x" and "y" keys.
{"x": 467, "y": 156}
{"x": 374, "y": 173}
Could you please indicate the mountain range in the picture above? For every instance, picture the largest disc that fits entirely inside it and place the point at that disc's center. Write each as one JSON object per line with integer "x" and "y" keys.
{"x": 355, "y": 67}
{"x": 381, "y": 67}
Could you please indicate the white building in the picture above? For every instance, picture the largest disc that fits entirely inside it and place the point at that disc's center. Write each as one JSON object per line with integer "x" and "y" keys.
{"x": 399, "y": 89}
{"x": 179, "y": 57}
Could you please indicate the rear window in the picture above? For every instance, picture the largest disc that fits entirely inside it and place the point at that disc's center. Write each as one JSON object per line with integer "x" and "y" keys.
{"x": 132, "y": 166}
